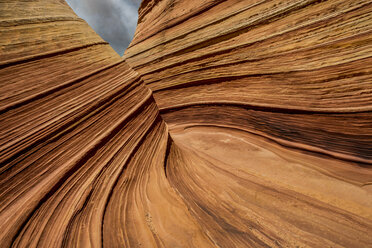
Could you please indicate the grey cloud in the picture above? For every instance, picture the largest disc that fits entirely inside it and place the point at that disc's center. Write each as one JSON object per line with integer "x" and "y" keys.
{"x": 114, "y": 20}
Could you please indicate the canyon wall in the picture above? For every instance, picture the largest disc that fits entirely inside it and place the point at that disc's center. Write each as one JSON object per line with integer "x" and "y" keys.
{"x": 293, "y": 70}
{"x": 227, "y": 123}
{"x": 81, "y": 138}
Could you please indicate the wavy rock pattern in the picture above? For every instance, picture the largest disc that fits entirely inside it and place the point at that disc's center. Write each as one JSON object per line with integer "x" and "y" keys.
{"x": 241, "y": 124}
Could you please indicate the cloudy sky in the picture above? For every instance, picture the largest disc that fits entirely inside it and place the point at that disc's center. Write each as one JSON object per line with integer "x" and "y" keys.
{"x": 114, "y": 20}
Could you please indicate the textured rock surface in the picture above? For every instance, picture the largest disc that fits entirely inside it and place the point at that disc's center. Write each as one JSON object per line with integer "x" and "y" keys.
{"x": 259, "y": 133}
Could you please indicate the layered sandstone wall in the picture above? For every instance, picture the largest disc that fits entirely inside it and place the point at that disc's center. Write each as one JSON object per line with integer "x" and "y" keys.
{"x": 269, "y": 105}
{"x": 303, "y": 68}
{"x": 226, "y": 124}
{"x": 76, "y": 124}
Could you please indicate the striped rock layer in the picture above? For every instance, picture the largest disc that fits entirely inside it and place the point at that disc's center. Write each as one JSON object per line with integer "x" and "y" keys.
{"x": 228, "y": 123}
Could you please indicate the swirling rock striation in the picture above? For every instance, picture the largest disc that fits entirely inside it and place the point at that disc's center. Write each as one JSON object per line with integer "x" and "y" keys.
{"x": 226, "y": 124}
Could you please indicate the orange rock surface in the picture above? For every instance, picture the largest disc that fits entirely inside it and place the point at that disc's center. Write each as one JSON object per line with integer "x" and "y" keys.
{"x": 235, "y": 123}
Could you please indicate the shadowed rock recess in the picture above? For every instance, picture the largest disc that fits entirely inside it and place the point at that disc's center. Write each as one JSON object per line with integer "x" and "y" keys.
{"x": 227, "y": 123}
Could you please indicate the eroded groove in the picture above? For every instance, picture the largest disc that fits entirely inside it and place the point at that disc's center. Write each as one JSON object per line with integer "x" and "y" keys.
{"x": 4, "y": 64}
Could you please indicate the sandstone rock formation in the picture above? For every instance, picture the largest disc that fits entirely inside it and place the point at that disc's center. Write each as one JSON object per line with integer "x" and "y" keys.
{"x": 235, "y": 123}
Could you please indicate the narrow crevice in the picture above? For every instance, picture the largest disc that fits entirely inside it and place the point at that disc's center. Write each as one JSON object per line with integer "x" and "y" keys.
{"x": 272, "y": 109}
{"x": 167, "y": 152}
